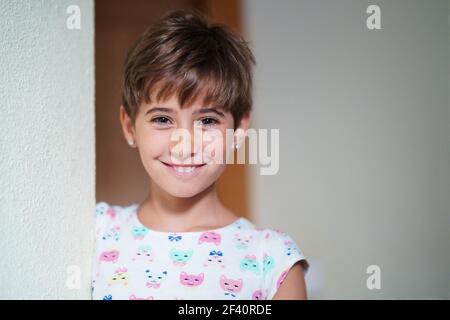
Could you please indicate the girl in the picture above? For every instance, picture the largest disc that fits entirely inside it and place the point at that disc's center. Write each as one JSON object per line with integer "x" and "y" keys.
{"x": 186, "y": 76}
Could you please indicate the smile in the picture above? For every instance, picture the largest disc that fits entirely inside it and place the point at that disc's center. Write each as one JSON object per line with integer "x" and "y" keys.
{"x": 184, "y": 171}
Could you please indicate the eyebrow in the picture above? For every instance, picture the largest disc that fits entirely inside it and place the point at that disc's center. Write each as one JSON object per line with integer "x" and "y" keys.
{"x": 200, "y": 111}
{"x": 155, "y": 109}
{"x": 206, "y": 110}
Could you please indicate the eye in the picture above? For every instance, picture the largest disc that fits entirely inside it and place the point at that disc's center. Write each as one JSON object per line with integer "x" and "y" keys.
{"x": 162, "y": 121}
{"x": 208, "y": 122}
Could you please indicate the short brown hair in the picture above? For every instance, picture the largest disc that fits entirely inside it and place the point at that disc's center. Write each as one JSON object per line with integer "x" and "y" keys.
{"x": 184, "y": 54}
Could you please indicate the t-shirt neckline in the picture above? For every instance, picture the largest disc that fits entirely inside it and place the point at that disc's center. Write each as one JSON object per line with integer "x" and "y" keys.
{"x": 137, "y": 221}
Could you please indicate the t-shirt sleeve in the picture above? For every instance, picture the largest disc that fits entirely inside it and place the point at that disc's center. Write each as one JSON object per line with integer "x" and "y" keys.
{"x": 280, "y": 253}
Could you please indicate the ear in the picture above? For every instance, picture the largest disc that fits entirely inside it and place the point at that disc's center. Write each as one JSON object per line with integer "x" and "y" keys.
{"x": 241, "y": 129}
{"x": 127, "y": 126}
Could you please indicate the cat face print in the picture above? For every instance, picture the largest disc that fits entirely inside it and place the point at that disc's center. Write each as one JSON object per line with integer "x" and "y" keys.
{"x": 154, "y": 279}
{"x": 180, "y": 257}
{"x": 139, "y": 232}
{"x": 210, "y": 237}
{"x": 112, "y": 234}
{"x": 191, "y": 280}
{"x": 109, "y": 256}
{"x": 268, "y": 263}
{"x": 242, "y": 241}
{"x": 215, "y": 258}
{"x": 120, "y": 277}
{"x": 143, "y": 253}
{"x": 290, "y": 248}
{"x": 231, "y": 286}
{"x": 250, "y": 263}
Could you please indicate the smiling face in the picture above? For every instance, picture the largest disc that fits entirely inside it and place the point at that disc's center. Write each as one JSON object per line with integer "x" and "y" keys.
{"x": 183, "y": 150}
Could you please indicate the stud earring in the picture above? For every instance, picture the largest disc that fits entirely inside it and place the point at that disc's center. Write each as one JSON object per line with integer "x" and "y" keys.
{"x": 131, "y": 142}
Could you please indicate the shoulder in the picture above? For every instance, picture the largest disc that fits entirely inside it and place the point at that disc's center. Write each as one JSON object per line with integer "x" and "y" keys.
{"x": 282, "y": 260}
{"x": 272, "y": 241}
{"x": 277, "y": 246}
{"x": 109, "y": 216}
{"x": 280, "y": 243}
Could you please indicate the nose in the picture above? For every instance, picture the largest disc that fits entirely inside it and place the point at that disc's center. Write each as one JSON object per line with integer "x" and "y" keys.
{"x": 185, "y": 146}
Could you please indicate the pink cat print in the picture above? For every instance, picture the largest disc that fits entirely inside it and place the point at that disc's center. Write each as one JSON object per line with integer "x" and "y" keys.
{"x": 109, "y": 256}
{"x": 191, "y": 280}
{"x": 211, "y": 237}
{"x": 230, "y": 286}
{"x": 258, "y": 295}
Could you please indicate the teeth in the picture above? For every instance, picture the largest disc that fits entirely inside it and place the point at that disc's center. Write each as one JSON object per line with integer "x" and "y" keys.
{"x": 184, "y": 169}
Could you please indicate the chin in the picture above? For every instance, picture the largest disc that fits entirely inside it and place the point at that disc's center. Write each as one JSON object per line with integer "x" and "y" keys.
{"x": 186, "y": 191}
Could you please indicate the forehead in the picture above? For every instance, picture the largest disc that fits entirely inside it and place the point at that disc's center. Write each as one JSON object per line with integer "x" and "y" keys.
{"x": 180, "y": 94}
{"x": 173, "y": 103}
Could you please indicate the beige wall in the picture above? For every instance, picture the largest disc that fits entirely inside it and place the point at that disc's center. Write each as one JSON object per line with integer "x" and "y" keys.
{"x": 364, "y": 153}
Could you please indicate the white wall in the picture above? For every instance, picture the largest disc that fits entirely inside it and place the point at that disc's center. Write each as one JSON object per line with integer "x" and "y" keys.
{"x": 364, "y": 127}
{"x": 47, "y": 148}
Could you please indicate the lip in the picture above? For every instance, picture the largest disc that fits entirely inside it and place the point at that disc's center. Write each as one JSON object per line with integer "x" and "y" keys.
{"x": 184, "y": 175}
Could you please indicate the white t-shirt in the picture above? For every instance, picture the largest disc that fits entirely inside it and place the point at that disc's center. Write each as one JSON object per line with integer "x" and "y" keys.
{"x": 237, "y": 261}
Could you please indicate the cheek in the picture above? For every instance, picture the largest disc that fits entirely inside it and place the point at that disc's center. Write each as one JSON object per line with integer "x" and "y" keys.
{"x": 215, "y": 146}
{"x": 154, "y": 143}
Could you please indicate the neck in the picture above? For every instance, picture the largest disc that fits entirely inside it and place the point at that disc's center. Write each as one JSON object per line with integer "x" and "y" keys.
{"x": 164, "y": 212}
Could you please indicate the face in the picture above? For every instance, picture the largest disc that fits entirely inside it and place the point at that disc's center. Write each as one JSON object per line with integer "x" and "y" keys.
{"x": 184, "y": 151}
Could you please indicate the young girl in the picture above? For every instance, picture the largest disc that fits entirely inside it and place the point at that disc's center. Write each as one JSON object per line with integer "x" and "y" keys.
{"x": 181, "y": 242}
